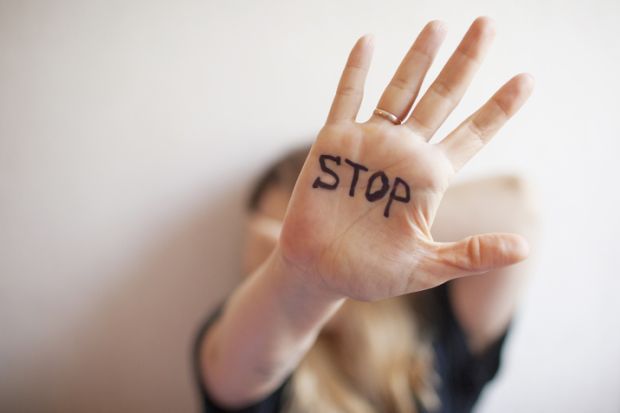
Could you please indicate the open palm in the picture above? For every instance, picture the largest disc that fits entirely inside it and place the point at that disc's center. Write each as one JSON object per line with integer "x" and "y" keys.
{"x": 358, "y": 223}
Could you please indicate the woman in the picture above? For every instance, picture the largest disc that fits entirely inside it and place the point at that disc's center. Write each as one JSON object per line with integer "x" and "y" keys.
{"x": 346, "y": 307}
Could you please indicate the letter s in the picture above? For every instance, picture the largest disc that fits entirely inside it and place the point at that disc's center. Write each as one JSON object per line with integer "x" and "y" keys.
{"x": 320, "y": 184}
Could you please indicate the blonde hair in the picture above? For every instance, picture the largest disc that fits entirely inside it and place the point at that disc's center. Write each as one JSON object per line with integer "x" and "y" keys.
{"x": 374, "y": 360}
{"x": 377, "y": 357}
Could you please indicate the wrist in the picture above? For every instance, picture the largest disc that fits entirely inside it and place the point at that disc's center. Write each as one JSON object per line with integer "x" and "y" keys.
{"x": 299, "y": 292}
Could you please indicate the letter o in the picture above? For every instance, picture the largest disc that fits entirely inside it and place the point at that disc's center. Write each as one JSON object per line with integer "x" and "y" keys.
{"x": 379, "y": 193}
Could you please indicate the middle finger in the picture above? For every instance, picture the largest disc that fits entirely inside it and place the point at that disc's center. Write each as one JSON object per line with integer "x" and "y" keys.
{"x": 450, "y": 86}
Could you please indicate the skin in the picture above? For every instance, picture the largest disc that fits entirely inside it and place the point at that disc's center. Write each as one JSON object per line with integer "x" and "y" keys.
{"x": 483, "y": 304}
{"x": 332, "y": 247}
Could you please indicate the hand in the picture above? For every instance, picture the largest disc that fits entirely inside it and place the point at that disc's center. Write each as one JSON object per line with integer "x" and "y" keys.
{"x": 358, "y": 223}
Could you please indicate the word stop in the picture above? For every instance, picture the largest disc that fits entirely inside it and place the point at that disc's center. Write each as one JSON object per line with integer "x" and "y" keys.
{"x": 377, "y": 187}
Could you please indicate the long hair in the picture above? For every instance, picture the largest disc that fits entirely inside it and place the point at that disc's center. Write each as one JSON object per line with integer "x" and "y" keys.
{"x": 376, "y": 358}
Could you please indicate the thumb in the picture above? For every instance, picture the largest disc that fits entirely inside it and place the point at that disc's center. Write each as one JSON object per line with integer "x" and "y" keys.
{"x": 481, "y": 253}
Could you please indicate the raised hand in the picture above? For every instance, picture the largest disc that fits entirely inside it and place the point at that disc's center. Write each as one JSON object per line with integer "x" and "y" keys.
{"x": 358, "y": 223}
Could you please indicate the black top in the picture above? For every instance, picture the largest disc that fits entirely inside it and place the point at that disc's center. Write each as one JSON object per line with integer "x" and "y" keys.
{"x": 462, "y": 374}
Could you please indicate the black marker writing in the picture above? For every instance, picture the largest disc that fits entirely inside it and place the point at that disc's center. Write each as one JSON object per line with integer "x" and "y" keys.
{"x": 320, "y": 184}
{"x": 379, "y": 193}
{"x": 356, "y": 171}
{"x": 393, "y": 196}
{"x": 377, "y": 187}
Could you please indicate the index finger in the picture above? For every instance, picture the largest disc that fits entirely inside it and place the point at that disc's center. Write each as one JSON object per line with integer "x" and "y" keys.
{"x": 478, "y": 129}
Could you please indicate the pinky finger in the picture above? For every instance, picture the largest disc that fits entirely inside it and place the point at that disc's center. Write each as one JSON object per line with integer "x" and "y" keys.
{"x": 350, "y": 90}
{"x": 476, "y": 131}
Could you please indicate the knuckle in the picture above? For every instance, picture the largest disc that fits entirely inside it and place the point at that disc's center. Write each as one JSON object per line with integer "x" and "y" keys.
{"x": 401, "y": 84}
{"x": 444, "y": 90}
{"x": 422, "y": 55}
{"x": 478, "y": 130}
{"x": 349, "y": 91}
{"x": 475, "y": 252}
{"x": 504, "y": 111}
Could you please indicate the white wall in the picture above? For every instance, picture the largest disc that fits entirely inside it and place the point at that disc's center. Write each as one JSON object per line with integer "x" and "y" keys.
{"x": 130, "y": 132}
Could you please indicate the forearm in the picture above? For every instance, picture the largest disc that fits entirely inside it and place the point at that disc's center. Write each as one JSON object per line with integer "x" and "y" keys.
{"x": 267, "y": 326}
{"x": 484, "y": 304}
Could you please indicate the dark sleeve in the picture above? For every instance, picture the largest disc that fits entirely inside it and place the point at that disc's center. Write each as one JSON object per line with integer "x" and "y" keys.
{"x": 463, "y": 373}
{"x": 272, "y": 403}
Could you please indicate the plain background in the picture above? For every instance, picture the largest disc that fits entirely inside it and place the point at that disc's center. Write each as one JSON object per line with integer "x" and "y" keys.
{"x": 130, "y": 132}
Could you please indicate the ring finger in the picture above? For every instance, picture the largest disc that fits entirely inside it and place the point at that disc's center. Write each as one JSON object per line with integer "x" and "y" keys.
{"x": 403, "y": 89}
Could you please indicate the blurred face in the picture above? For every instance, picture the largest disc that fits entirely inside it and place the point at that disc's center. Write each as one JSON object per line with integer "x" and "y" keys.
{"x": 264, "y": 226}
